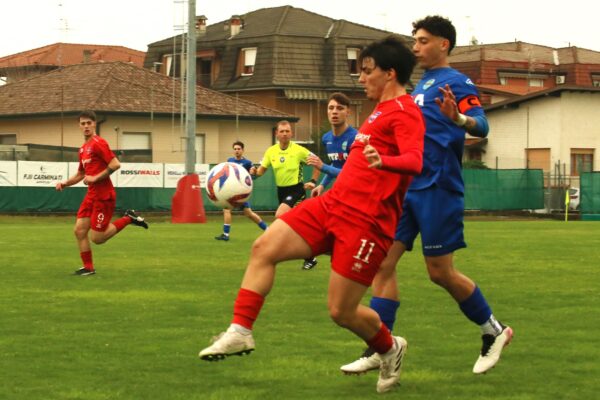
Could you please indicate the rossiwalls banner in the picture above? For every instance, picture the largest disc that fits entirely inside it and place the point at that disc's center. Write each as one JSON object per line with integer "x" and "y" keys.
{"x": 130, "y": 175}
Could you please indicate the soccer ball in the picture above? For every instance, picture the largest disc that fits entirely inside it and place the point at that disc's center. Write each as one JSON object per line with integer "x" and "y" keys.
{"x": 228, "y": 185}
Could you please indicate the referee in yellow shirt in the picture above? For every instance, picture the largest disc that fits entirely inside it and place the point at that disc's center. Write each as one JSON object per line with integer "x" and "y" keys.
{"x": 287, "y": 159}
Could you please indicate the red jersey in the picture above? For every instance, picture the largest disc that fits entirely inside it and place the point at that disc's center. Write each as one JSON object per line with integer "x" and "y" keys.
{"x": 94, "y": 156}
{"x": 396, "y": 129}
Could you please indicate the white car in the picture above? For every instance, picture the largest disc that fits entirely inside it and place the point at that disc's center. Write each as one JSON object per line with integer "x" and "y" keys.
{"x": 574, "y": 198}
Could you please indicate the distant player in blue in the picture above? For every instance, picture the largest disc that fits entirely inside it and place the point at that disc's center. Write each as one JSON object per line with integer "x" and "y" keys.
{"x": 337, "y": 141}
{"x": 337, "y": 144}
{"x": 238, "y": 158}
{"x": 434, "y": 203}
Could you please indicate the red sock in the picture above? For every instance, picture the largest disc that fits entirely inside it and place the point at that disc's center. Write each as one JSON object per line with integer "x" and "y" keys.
{"x": 382, "y": 342}
{"x": 86, "y": 257}
{"x": 121, "y": 223}
{"x": 246, "y": 308}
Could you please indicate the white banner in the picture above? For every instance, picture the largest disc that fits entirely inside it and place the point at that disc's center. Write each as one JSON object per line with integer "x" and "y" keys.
{"x": 41, "y": 173}
{"x": 140, "y": 175}
{"x": 8, "y": 173}
{"x": 173, "y": 172}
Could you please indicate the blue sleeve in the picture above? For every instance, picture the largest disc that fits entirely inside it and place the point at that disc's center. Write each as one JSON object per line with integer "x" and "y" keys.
{"x": 330, "y": 173}
{"x": 481, "y": 128}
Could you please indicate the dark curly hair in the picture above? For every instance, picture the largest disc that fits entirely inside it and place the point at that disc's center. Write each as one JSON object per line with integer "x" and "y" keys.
{"x": 437, "y": 26}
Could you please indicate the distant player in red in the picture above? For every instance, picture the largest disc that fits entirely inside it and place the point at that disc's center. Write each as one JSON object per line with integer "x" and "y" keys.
{"x": 96, "y": 163}
{"x": 355, "y": 220}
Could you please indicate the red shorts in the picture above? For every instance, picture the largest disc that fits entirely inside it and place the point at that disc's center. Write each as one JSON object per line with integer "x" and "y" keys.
{"x": 99, "y": 212}
{"x": 357, "y": 247}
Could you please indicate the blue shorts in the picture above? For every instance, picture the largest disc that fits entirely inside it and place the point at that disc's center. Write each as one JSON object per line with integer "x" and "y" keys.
{"x": 435, "y": 213}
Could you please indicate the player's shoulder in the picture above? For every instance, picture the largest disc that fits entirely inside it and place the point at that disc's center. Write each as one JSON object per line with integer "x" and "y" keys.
{"x": 231, "y": 159}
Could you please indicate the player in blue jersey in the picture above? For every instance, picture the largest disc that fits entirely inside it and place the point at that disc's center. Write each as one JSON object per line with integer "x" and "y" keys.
{"x": 238, "y": 158}
{"x": 337, "y": 141}
{"x": 434, "y": 203}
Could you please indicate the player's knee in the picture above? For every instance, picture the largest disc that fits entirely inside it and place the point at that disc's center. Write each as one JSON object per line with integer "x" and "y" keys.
{"x": 339, "y": 316}
{"x": 98, "y": 239}
{"x": 261, "y": 248}
{"x": 80, "y": 232}
{"x": 439, "y": 277}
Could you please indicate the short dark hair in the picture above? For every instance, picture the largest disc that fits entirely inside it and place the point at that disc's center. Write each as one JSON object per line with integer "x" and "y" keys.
{"x": 87, "y": 114}
{"x": 340, "y": 98}
{"x": 389, "y": 53}
{"x": 437, "y": 26}
{"x": 238, "y": 143}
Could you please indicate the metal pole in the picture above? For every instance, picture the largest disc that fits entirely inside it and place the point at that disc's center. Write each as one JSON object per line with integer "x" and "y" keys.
{"x": 190, "y": 121}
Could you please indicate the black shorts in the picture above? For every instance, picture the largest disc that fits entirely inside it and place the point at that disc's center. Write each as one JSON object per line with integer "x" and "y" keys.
{"x": 291, "y": 195}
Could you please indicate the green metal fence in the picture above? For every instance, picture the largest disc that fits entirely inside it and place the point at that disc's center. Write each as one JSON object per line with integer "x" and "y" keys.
{"x": 590, "y": 193}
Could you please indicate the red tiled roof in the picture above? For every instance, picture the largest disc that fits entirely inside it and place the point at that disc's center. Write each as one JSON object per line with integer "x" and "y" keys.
{"x": 117, "y": 87}
{"x": 60, "y": 54}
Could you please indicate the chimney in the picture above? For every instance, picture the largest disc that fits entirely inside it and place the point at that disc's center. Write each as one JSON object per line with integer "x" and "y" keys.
{"x": 201, "y": 25}
{"x": 235, "y": 25}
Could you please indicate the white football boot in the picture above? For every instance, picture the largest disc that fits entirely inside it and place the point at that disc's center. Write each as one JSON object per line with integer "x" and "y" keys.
{"x": 228, "y": 343}
{"x": 491, "y": 350}
{"x": 391, "y": 365}
{"x": 369, "y": 361}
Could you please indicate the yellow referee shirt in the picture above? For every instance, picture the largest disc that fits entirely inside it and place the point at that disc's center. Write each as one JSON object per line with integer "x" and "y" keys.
{"x": 287, "y": 164}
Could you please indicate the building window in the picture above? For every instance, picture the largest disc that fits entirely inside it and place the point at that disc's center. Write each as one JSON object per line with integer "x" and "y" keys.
{"x": 353, "y": 61}
{"x": 596, "y": 80}
{"x": 582, "y": 160}
{"x": 503, "y": 81}
{"x": 8, "y": 138}
{"x": 248, "y": 59}
{"x": 536, "y": 83}
{"x": 173, "y": 65}
{"x": 135, "y": 141}
{"x": 200, "y": 139}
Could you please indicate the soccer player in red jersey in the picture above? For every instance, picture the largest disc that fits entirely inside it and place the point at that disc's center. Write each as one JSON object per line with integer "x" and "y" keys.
{"x": 355, "y": 220}
{"x": 96, "y": 163}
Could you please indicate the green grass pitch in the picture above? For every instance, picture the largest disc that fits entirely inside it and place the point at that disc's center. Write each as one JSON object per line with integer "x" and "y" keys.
{"x": 133, "y": 331}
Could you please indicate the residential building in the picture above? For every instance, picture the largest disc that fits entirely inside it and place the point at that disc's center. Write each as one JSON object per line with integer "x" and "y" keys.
{"x": 506, "y": 70}
{"x": 556, "y": 130}
{"x": 285, "y": 58}
{"x": 140, "y": 115}
{"x": 16, "y": 67}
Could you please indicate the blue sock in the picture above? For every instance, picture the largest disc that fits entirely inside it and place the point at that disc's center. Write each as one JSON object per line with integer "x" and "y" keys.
{"x": 226, "y": 229}
{"x": 386, "y": 308}
{"x": 262, "y": 225}
{"x": 476, "y": 308}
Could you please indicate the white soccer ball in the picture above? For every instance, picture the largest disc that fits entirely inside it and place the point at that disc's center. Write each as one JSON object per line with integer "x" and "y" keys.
{"x": 228, "y": 185}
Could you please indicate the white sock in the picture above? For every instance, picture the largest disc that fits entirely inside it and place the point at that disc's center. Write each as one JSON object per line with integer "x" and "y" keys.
{"x": 240, "y": 329}
{"x": 491, "y": 327}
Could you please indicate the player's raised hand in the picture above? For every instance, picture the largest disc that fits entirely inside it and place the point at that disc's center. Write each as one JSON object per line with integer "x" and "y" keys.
{"x": 372, "y": 156}
{"x": 60, "y": 186}
{"x": 447, "y": 104}
{"x": 314, "y": 161}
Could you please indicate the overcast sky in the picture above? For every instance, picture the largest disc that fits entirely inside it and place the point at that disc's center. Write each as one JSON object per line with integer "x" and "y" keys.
{"x": 28, "y": 24}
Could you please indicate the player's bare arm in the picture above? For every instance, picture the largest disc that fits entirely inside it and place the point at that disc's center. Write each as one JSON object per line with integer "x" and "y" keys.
{"x": 113, "y": 165}
{"x": 71, "y": 181}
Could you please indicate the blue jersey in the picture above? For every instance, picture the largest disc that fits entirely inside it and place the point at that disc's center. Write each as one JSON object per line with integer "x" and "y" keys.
{"x": 243, "y": 162}
{"x": 444, "y": 140}
{"x": 337, "y": 148}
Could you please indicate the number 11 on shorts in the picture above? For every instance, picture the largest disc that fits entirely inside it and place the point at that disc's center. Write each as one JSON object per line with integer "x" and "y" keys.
{"x": 369, "y": 249}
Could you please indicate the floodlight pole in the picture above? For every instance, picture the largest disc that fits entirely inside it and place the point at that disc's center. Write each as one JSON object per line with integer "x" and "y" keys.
{"x": 190, "y": 121}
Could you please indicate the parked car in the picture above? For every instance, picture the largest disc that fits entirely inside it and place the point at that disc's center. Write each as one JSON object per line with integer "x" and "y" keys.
{"x": 574, "y": 198}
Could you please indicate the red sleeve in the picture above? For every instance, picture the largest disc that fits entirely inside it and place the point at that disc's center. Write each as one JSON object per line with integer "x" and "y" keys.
{"x": 409, "y": 133}
{"x": 104, "y": 151}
